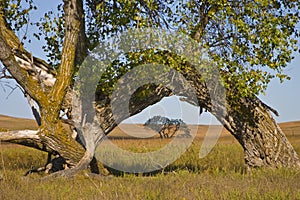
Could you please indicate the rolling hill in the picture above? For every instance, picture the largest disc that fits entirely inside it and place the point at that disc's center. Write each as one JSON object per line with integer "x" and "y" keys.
{"x": 13, "y": 123}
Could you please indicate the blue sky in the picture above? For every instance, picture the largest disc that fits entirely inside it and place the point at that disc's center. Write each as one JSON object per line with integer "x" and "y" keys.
{"x": 284, "y": 97}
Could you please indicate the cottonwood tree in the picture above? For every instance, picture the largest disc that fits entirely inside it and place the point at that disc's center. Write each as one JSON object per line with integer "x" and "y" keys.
{"x": 251, "y": 42}
{"x": 167, "y": 127}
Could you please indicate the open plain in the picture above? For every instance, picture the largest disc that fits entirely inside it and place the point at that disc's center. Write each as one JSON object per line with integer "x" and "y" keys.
{"x": 219, "y": 175}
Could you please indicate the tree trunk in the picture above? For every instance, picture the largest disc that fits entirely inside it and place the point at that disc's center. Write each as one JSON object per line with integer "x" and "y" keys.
{"x": 263, "y": 141}
{"x": 250, "y": 121}
{"x": 45, "y": 86}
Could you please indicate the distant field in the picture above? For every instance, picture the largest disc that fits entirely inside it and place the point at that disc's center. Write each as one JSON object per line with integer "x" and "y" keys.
{"x": 137, "y": 130}
{"x": 12, "y": 123}
{"x": 220, "y": 175}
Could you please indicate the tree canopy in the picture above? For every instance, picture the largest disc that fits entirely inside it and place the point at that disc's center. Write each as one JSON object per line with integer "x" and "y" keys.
{"x": 251, "y": 41}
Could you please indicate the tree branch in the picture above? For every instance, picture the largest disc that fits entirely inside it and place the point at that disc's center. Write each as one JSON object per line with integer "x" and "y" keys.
{"x": 73, "y": 10}
{"x": 18, "y": 135}
{"x": 29, "y": 138}
{"x": 9, "y": 44}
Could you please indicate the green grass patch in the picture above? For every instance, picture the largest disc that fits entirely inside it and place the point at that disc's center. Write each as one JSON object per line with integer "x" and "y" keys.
{"x": 220, "y": 175}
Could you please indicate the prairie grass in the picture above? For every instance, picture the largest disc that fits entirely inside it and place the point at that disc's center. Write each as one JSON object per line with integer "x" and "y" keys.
{"x": 220, "y": 175}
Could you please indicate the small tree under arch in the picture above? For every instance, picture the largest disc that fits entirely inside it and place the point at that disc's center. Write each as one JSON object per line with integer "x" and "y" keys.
{"x": 167, "y": 128}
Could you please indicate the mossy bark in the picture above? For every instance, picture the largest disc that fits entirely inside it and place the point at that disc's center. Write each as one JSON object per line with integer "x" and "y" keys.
{"x": 52, "y": 133}
{"x": 250, "y": 121}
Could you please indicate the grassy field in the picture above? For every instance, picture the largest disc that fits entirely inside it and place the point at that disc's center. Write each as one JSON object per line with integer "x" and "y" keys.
{"x": 220, "y": 175}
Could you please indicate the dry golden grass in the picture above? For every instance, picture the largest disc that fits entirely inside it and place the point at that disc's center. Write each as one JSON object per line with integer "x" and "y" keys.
{"x": 220, "y": 175}
{"x": 12, "y": 123}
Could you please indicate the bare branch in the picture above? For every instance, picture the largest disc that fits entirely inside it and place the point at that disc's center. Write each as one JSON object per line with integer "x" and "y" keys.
{"x": 12, "y": 89}
{"x": 19, "y": 135}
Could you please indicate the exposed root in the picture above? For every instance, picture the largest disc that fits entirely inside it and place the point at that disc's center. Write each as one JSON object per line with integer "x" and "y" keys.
{"x": 56, "y": 164}
{"x": 81, "y": 165}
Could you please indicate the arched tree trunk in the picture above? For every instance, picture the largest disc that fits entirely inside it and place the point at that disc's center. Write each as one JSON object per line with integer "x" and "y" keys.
{"x": 248, "y": 119}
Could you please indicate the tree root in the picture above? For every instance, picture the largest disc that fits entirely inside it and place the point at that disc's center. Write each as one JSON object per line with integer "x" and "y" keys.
{"x": 81, "y": 165}
{"x": 56, "y": 164}
{"x": 58, "y": 167}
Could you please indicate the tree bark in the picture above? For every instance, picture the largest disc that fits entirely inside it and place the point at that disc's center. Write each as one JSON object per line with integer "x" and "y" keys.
{"x": 43, "y": 85}
{"x": 263, "y": 141}
{"x": 52, "y": 131}
{"x": 250, "y": 121}
{"x": 28, "y": 138}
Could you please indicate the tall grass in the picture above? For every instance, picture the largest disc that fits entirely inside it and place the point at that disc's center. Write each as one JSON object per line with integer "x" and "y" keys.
{"x": 220, "y": 175}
